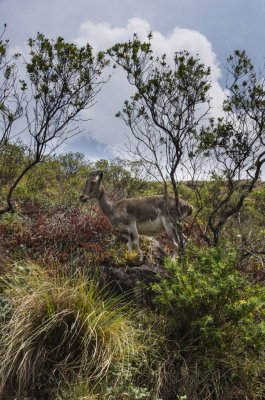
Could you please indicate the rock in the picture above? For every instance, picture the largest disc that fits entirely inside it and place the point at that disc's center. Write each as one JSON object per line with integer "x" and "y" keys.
{"x": 134, "y": 279}
{"x": 156, "y": 249}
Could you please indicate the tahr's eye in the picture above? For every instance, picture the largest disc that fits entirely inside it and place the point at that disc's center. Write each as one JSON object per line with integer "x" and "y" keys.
{"x": 91, "y": 186}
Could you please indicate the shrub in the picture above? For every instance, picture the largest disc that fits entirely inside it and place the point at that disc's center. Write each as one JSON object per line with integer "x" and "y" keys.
{"x": 214, "y": 327}
{"x": 58, "y": 233}
{"x": 119, "y": 385}
{"x": 60, "y": 327}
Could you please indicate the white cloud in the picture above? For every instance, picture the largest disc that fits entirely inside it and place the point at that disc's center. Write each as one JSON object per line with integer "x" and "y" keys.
{"x": 102, "y": 36}
{"x": 104, "y": 127}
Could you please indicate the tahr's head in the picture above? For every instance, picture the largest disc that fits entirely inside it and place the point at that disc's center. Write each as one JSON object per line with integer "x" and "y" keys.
{"x": 92, "y": 186}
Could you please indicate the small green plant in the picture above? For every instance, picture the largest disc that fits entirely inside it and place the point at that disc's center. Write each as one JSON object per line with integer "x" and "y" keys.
{"x": 78, "y": 390}
{"x": 60, "y": 327}
{"x": 122, "y": 385}
{"x": 118, "y": 385}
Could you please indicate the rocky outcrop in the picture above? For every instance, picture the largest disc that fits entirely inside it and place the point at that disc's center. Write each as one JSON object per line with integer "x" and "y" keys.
{"x": 132, "y": 280}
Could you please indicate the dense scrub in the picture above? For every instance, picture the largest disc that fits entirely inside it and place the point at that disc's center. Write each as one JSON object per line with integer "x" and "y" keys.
{"x": 197, "y": 333}
{"x": 202, "y": 338}
{"x": 57, "y": 233}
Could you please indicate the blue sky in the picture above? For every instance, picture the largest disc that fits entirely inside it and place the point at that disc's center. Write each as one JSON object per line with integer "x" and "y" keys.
{"x": 214, "y": 28}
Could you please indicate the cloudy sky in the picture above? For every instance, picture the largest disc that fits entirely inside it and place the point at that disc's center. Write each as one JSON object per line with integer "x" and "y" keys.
{"x": 211, "y": 28}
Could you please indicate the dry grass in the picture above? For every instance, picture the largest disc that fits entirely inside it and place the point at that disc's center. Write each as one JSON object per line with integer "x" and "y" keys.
{"x": 60, "y": 327}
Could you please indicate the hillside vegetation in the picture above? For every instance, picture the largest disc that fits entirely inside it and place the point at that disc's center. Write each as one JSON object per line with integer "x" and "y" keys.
{"x": 197, "y": 333}
{"x": 83, "y": 318}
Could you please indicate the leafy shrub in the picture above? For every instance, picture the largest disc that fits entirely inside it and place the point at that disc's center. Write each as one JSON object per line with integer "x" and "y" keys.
{"x": 119, "y": 385}
{"x": 214, "y": 327}
{"x": 60, "y": 327}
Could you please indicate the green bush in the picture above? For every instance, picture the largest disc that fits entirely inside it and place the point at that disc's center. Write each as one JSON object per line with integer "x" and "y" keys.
{"x": 214, "y": 326}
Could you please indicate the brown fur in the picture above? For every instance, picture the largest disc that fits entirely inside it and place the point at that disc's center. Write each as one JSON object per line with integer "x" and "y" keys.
{"x": 148, "y": 215}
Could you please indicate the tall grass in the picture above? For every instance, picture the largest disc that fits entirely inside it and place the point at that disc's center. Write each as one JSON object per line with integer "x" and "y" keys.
{"x": 60, "y": 327}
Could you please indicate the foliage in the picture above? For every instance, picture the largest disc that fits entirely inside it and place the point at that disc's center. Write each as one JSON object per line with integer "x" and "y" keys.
{"x": 123, "y": 178}
{"x": 59, "y": 179}
{"x": 162, "y": 113}
{"x": 10, "y": 95}
{"x": 119, "y": 385}
{"x": 166, "y": 109}
{"x": 234, "y": 144}
{"x": 59, "y": 327}
{"x": 61, "y": 81}
{"x": 61, "y": 337}
{"x": 167, "y": 114}
{"x": 60, "y": 234}
{"x": 214, "y": 323}
{"x": 12, "y": 157}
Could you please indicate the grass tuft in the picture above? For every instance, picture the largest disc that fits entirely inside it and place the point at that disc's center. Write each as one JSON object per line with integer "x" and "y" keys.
{"x": 60, "y": 327}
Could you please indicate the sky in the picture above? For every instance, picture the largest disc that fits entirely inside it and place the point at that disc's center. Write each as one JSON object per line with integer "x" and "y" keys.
{"x": 211, "y": 28}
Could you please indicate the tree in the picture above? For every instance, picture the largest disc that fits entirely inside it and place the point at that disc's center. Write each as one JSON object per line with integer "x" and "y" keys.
{"x": 124, "y": 178}
{"x": 167, "y": 116}
{"x": 167, "y": 108}
{"x": 10, "y": 96}
{"x": 12, "y": 156}
{"x": 61, "y": 82}
{"x": 236, "y": 143}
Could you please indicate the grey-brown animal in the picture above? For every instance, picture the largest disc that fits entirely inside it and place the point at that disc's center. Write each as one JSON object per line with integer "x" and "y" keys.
{"x": 150, "y": 215}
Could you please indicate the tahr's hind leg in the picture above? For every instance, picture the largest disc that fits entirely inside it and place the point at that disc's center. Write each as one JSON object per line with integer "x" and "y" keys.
{"x": 173, "y": 235}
